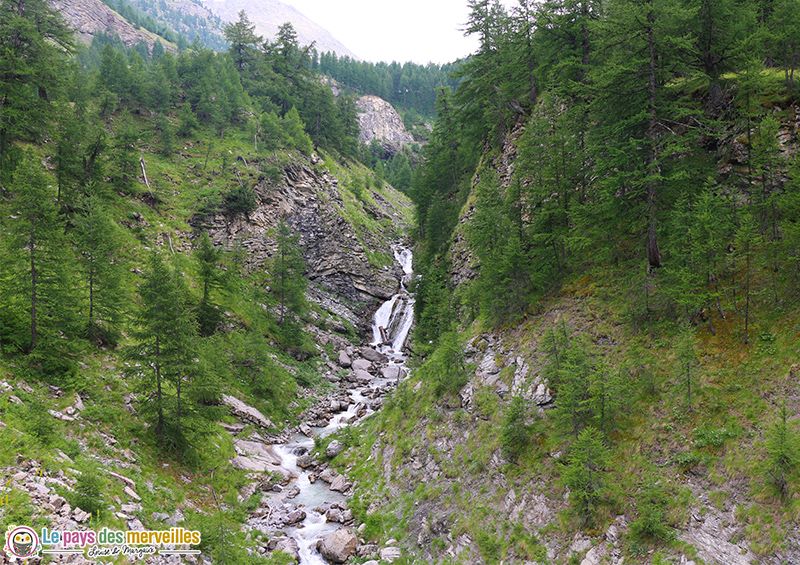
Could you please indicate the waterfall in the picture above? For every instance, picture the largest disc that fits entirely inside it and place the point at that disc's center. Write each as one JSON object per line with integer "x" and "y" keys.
{"x": 393, "y": 320}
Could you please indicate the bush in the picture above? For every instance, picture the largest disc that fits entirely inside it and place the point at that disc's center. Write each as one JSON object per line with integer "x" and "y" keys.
{"x": 515, "y": 433}
{"x": 88, "y": 491}
{"x": 241, "y": 200}
{"x": 651, "y": 525}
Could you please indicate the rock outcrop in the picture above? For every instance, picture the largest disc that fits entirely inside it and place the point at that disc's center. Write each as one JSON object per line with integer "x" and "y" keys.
{"x": 336, "y": 252}
{"x": 91, "y": 17}
{"x": 379, "y": 121}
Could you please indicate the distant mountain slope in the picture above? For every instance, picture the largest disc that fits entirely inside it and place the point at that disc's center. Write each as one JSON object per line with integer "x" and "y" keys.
{"x": 269, "y": 15}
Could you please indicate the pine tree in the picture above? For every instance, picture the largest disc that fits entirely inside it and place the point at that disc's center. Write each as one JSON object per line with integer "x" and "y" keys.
{"x": 719, "y": 29}
{"x": 243, "y": 40}
{"x": 783, "y": 448}
{"x": 213, "y": 277}
{"x": 287, "y": 274}
{"x": 515, "y": 433}
{"x": 98, "y": 245}
{"x": 783, "y": 40}
{"x": 38, "y": 260}
{"x": 164, "y": 359}
{"x": 35, "y": 45}
{"x": 585, "y": 471}
{"x": 687, "y": 362}
{"x": 295, "y": 131}
{"x": 644, "y": 43}
{"x": 125, "y": 157}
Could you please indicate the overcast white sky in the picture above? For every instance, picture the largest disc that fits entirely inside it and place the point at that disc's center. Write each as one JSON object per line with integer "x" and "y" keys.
{"x": 421, "y": 31}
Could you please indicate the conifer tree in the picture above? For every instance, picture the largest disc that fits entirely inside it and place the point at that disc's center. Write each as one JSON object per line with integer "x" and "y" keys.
{"x": 213, "y": 277}
{"x": 644, "y": 43}
{"x": 287, "y": 274}
{"x": 295, "y": 131}
{"x": 35, "y": 45}
{"x": 243, "y": 40}
{"x": 585, "y": 472}
{"x": 164, "y": 359}
{"x": 719, "y": 31}
{"x": 97, "y": 241}
{"x": 783, "y": 448}
{"x": 125, "y": 157}
{"x": 36, "y": 282}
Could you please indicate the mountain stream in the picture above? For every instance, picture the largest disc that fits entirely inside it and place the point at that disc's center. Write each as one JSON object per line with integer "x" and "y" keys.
{"x": 309, "y": 495}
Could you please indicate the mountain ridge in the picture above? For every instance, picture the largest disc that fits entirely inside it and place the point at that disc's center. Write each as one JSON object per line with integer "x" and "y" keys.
{"x": 269, "y": 15}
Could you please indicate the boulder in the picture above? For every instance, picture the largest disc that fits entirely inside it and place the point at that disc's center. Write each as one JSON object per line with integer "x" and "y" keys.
{"x": 246, "y": 412}
{"x": 334, "y": 448}
{"x": 339, "y": 546}
{"x": 306, "y": 430}
{"x": 340, "y": 484}
{"x": 363, "y": 376}
{"x": 344, "y": 360}
{"x": 393, "y": 372}
{"x": 305, "y": 461}
{"x": 296, "y": 516}
{"x": 390, "y": 554}
{"x": 362, "y": 365}
{"x": 81, "y": 516}
{"x": 334, "y": 515}
{"x": 327, "y": 475}
{"x": 371, "y": 355}
{"x": 288, "y": 545}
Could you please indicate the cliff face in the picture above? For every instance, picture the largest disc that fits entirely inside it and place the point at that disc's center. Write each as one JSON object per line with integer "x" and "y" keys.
{"x": 90, "y": 17}
{"x": 346, "y": 242}
{"x": 379, "y": 121}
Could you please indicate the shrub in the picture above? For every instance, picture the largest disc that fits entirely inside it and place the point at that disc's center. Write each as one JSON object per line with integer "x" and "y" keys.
{"x": 241, "y": 200}
{"x": 515, "y": 433}
{"x": 88, "y": 491}
{"x": 651, "y": 525}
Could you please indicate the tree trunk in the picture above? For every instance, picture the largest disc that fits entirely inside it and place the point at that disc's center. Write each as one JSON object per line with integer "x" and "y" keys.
{"x": 653, "y": 252}
{"x": 32, "y": 251}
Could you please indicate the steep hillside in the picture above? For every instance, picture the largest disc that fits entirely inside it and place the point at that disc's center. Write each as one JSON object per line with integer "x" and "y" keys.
{"x": 492, "y": 467}
{"x": 79, "y": 454}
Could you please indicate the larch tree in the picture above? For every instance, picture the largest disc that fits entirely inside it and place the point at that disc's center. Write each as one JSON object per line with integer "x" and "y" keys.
{"x": 643, "y": 42}
{"x": 39, "y": 268}
{"x": 35, "y": 44}
{"x": 287, "y": 274}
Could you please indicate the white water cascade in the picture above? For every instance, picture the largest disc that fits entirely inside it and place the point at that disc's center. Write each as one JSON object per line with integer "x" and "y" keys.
{"x": 391, "y": 326}
{"x": 393, "y": 320}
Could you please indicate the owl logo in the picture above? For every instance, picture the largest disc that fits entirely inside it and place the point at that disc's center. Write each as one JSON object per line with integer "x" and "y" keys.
{"x": 21, "y": 541}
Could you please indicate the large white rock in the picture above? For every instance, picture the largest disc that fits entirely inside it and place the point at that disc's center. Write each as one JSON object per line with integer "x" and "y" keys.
{"x": 339, "y": 546}
{"x": 390, "y": 554}
{"x": 334, "y": 448}
{"x": 362, "y": 365}
{"x": 378, "y": 120}
{"x": 246, "y": 412}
